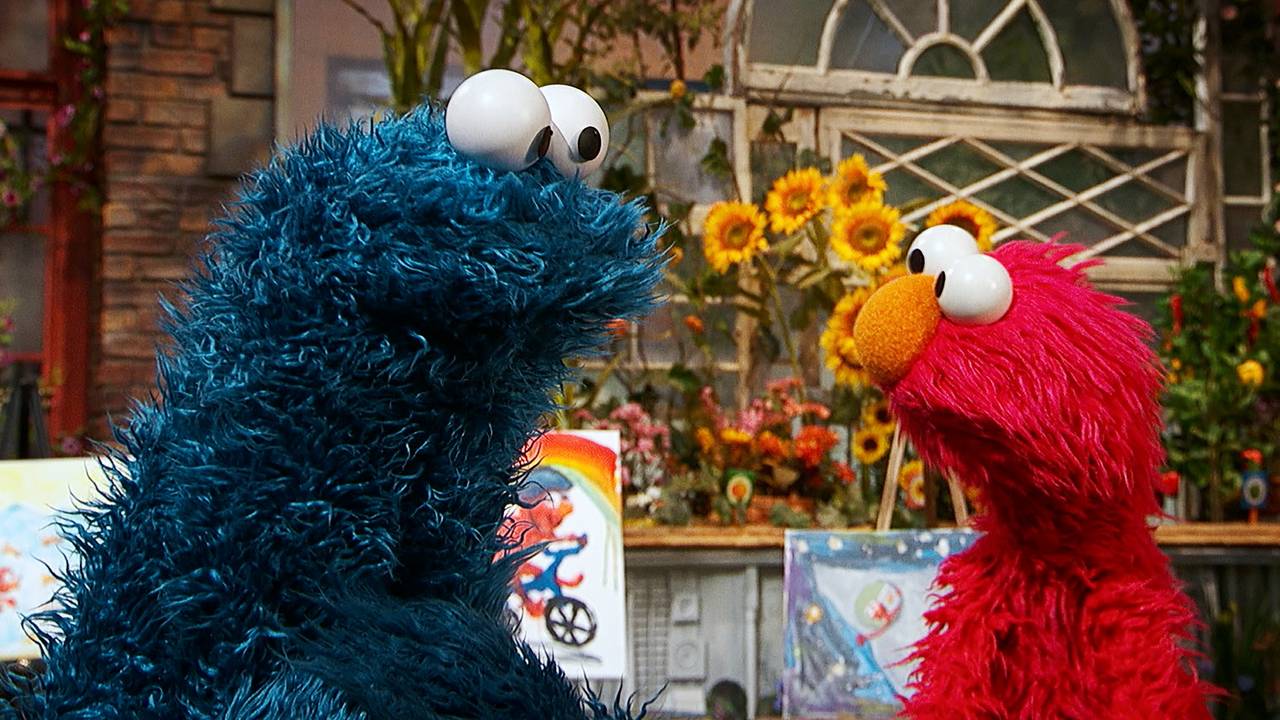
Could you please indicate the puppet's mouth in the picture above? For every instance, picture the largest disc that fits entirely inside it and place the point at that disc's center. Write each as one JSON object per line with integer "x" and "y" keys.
{"x": 895, "y": 326}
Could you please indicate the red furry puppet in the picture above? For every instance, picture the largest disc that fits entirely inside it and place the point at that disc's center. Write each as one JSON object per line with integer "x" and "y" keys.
{"x": 1036, "y": 390}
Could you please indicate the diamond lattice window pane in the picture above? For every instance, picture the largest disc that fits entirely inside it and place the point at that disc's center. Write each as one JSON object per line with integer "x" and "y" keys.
{"x": 1018, "y": 151}
{"x": 864, "y": 42}
{"x": 1017, "y": 52}
{"x": 1079, "y": 225}
{"x": 1173, "y": 175}
{"x": 1018, "y": 197}
{"x": 1134, "y": 202}
{"x": 906, "y": 189}
{"x": 1076, "y": 170}
{"x": 958, "y": 164}
{"x": 849, "y": 146}
{"x": 785, "y": 32}
{"x": 899, "y": 144}
{"x": 1174, "y": 232}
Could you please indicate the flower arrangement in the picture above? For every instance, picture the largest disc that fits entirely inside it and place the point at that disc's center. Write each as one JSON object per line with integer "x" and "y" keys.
{"x": 1219, "y": 347}
{"x": 810, "y": 449}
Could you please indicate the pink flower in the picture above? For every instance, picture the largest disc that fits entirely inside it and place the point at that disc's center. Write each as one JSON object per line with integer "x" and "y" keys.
{"x": 1230, "y": 12}
{"x": 85, "y": 36}
{"x": 751, "y": 420}
{"x": 64, "y": 115}
{"x": 72, "y": 445}
{"x": 785, "y": 385}
{"x": 10, "y": 198}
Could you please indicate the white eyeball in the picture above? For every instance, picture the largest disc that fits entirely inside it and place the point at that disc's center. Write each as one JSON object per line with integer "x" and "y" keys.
{"x": 499, "y": 119}
{"x": 937, "y": 247}
{"x": 974, "y": 290}
{"x": 581, "y": 137}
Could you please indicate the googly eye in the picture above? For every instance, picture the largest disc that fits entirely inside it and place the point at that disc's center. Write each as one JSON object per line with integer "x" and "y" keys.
{"x": 581, "y": 137}
{"x": 500, "y": 119}
{"x": 937, "y": 247}
{"x": 974, "y": 290}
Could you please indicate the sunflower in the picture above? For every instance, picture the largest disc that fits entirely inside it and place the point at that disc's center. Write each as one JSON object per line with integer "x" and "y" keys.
{"x": 837, "y": 339}
{"x": 854, "y": 183}
{"x": 889, "y": 273}
{"x": 911, "y": 480}
{"x": 794, "y": 199}
{"x": 733, "y": 232}
{"x": 869, "y": 446}
{"x": 878, "y": 417}
{"x": 968, "y": 217}
{"x": 868, "y": 234}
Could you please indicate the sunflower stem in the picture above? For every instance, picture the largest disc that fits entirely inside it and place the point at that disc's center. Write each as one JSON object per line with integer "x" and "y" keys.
{"x": 785, "y": 327}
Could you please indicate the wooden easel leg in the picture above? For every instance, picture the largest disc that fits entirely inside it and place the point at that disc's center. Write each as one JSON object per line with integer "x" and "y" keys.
{"x": 889, "y": 493}
{"x": 958, "y": 501}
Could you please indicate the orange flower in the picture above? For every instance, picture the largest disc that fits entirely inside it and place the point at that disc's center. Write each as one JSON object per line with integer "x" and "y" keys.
{"x": 813, "y": 442}
{"x": 618, "y": 328}
{"x": 694, "y": 323}
{"x": 771, "y": 446}
{"x": 845, "y": 474}
{"x": 706, "y": 440}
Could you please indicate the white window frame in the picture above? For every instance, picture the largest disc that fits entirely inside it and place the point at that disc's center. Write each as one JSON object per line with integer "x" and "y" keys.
{"x": 791, "y": 82}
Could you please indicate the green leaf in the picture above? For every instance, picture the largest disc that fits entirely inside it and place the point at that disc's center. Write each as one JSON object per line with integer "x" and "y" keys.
{"x": 684, "y": 379}
{"x": 714, "y": 77}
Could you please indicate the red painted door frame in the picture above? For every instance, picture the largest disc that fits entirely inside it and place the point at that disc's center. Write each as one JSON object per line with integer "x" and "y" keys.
{"x": 72, "y": 238}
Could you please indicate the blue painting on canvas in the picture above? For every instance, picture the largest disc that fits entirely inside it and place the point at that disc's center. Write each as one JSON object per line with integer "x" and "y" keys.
{"x": 855, "y": 603}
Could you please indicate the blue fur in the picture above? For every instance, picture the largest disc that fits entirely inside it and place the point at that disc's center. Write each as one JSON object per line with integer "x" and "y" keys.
{"x": 304, "y": 523}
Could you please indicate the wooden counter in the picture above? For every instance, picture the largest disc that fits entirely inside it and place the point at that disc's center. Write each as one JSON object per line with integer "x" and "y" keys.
{"x": 767, "y": 536}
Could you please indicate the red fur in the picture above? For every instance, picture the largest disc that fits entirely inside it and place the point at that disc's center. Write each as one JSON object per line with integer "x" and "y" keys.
{"x": 1064, "y": 607}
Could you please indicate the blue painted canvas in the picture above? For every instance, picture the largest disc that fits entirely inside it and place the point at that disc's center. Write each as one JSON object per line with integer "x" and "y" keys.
{"x": 855, "y": 603}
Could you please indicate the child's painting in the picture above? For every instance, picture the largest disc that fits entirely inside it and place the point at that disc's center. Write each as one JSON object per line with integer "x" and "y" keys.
{"x": 30, "y": 493}
{"x": 855, "y": 603}
{"x": 570, "y": 597}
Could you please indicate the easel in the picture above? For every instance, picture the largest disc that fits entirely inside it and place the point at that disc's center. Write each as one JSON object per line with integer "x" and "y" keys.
{"x": 23, "y": 433}
{"x": 889, "y": 494}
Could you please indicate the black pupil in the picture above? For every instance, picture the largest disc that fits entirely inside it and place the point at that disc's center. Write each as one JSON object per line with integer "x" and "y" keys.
{"x": 543, "y": 141}
{"x": 915, "y": 261}
{"x": 588, "y": 144}
{"x": 940, "y": 283}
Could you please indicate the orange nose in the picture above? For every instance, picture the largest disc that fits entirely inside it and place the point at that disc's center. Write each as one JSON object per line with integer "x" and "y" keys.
{"x": 895, "y": 326}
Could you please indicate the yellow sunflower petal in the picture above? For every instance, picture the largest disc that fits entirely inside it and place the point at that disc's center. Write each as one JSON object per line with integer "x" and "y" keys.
{"x": 733, "y": 233}
{"x": 869, "y": 446}
{"x": 967, "y": 216}
{"x": 854, "y": 183}
{"x": 794, "y": 199}
{"x": 837, "y": 339}
{"x": 868, "y": 234}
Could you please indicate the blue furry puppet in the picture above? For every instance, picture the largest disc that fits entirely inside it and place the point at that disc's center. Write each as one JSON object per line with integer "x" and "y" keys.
{"x": 304, "y": 526}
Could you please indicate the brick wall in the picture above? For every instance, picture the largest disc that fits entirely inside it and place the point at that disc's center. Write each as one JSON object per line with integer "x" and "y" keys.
{"x": 188, "y": 106}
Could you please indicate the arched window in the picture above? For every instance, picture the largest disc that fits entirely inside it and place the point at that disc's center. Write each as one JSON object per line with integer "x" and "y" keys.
{"x": 1053, "y": 54}
{"x": 1026, "y": 108}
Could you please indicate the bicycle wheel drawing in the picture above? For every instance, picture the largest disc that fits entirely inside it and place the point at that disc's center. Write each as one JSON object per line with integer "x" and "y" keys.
{"x": 570, "y": 621}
